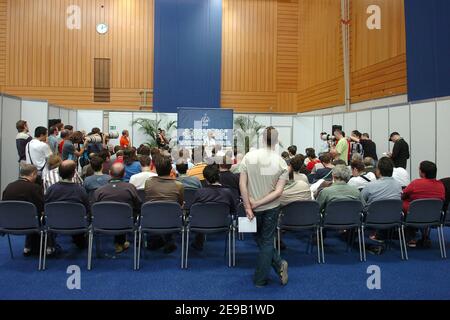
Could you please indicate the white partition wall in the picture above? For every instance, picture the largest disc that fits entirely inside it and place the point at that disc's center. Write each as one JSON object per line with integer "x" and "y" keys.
{"x": 318, "y": 122}
{"x": 64, "y": 114}
{"x": 11, "y": 113}
{"x": 364, "y": 122}
{"x": 303, "y": 133}
{"x": 35, "y": 113}
{"x": 327, "y": 124}
{"x": 88, "y": 119}
{"x": 139, "y": 136}
{"x": 349, "y": 122}
{"x": 338, "y": 119}
{"x": 119, "y": 121}
{"x": 73, "y": 119}
{"x": 380, "y": 129}
{"x": 54, "y": 112}
{"x": 423, "y": 135}
{"x": 443, "y": 136}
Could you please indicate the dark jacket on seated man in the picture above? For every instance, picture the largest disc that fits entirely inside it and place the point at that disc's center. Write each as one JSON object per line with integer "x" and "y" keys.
{"x": 229, "y": 179}
{"x": 216, "y": 194}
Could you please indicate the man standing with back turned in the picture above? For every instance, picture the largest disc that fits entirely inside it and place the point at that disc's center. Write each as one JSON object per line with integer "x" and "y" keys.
{"x": 263, "y": 176}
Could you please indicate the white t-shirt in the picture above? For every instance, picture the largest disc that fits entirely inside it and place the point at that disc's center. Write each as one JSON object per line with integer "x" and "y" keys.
{"x": 37, "y": 153}
{"x": 360, "y": 182}
{"x": 401, "y": 176}
{"x": 138, "y": 180}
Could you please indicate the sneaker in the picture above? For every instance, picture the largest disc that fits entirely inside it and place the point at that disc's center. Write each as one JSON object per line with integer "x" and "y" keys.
{"x": 284, "y": 273}
{"x": 27, "y": 252}
{"x": 122, "y": 247}
{"x": 376, "y": 239}
{"x": 54, "y": 251}
{"x": 169, "y": 248}
{"x": 412, "y": 244}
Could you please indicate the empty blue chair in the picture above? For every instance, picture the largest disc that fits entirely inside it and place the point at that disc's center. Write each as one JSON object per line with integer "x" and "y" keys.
{"x": 161, "y": 218}
{"x": 211, "y": 218}
{"x": 20, "y": 218}
{"x": 343, "y": 215}
{"x": 299, "y": 216}
{"x": 64, "y": 218}
{"x": 112, "y": 218}
{"x": 384, "y": 215}
{"x": 425, "y": 213}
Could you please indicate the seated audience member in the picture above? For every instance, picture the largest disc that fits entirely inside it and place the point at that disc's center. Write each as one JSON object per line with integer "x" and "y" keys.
{"x": 181, "y": 156}
{"x": 68, "y": 191}
{"x": 227, "y": 178}
{"x": 299, "y": 169}
{"x": 154, "y": 152}
{"x": 311, "y": 159}
{"x": 295, "y": 190}
{"x": 119, "y": 156}
{"x": 119, "y": 191}
{"x": 360, "y": 178}
{"x": 214, "y": 192}
{"x": 285, "y": 156}
{"x": 188, "y": 182}
{"x": 87, "y": 170}
{"x": 163, "y": 188}
{"x": 143, "y": 150}
{"x": 106, "y": 157}
{"x": 198, "y": 159}
{"x": 292, "y": 151}
{"x": 427, "y": 187}
{"x": 132, "y": 165}
{"x": 402, "y": 176}
{"x": 369, "y": 164}
{"x": 53, "y": 176}
{"x": 236, "y": 168}
{"x": 325, "y": 172}
{"x": 22, "y": 139}
{"x": 339, "y": 190}
{"x": 384, "y": 188}
{"x": 139, "y": 179}
{"x": 25, "y": 189}
{"x": 113, "y": 157}
{"x": 446, "y": 182}
{"x": 98, "y": 179}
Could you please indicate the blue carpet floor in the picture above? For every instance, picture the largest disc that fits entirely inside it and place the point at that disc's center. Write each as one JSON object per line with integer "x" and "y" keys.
{"x": 424, "y": 276}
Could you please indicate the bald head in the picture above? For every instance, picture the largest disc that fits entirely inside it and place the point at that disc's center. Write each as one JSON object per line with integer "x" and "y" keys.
{"x": 67, "y": 169}
{"x": 117, "y": 171}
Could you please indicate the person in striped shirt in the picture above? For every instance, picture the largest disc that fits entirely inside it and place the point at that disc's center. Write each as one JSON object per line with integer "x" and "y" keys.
{"x": 52, "y": 176}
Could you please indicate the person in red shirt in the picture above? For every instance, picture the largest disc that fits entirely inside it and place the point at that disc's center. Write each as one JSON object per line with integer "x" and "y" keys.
{"x": 427, "y": 187}
{"x": 311, "y": 160}
{"x": 125, "y": 139}
{"x": 64, "y": 136}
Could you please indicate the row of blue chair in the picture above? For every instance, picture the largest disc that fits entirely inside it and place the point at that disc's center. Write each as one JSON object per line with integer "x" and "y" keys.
{"x": 113, "y": 218}
{"x": 380, "y": 215}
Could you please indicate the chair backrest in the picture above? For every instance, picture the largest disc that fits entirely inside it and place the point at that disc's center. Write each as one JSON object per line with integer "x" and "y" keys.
{"x": 161, "y": 215}
{"x": 343, "y": 212}
{"x": 189, "y": 197}
{"x": 209, "y": 215}
{"x": 447, "y": 217}
{"x": 300, "y": 213}
{"x": 112, "y": 215}
{"x": 65, "y": 215}
{"x": 141, "y": 194}
{"x": 384, "y": 212}
{"x": 425, "y": 211}
{"x": 18, "y": 215}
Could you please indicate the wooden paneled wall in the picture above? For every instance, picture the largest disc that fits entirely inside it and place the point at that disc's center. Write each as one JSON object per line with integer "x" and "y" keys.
{"x": 48, "y": 60}
{"x": 378, "y": 57}
{"x": 3, "y": 40}
{"x": 277, "y": 55}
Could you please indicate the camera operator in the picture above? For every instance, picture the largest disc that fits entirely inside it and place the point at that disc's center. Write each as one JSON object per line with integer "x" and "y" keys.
{"x": 340, "y": 151}
{"x": 69, "y": 151}
{"x": 325, "y": 143}
{"x": 95, "y": 141}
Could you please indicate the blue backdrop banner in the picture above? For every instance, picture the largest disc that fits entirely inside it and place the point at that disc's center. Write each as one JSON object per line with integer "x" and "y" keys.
{"x": 188, "y": 52}
{"x": 208, "y": 127}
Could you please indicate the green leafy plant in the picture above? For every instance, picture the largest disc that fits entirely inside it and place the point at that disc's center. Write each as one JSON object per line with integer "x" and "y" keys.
{"x": 246, "y": 132}
{"x": 149, "y": 127}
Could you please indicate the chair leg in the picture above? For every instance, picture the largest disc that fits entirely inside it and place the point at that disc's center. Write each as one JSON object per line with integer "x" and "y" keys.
{"x": 234, "y": 247}
{"x": 139, "y": 250}
{"x": 40, "y": 250}
{"x": 229, "y": 248}
{"x": 187, "y": 249}
{"x": 134, "y": 252}
{"x": 404, "y": 242}
{"x": 318, "y": 245}
{"x": 321, "y": 244}
{"x": 182, "y": 248}
{"x": 10, "y": 248}
{"x": 363, "y": 244}
{"x": 401, "y": 242}
{"x": 89, "y": 249}
{"x": 441, "y": 246}
{"x": 45, "y": 251}
{"x": 91, "y": 243}
{"x": 359, "y": 244}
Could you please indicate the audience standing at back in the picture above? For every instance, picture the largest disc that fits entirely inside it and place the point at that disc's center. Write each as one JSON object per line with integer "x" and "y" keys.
{"x": 38, "y": 152}
{"x": 22, "y": 139}
{"x": 53, "y": 139}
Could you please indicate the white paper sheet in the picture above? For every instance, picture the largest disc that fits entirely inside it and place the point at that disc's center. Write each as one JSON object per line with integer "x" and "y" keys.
{"x": 247, "y": 226}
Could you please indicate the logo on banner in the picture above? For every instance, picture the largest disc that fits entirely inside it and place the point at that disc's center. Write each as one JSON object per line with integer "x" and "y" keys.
{"x": 205, "y": 121}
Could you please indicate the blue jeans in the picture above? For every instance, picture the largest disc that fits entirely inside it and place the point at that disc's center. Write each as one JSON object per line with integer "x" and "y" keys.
{"x": 268, "y": 256}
